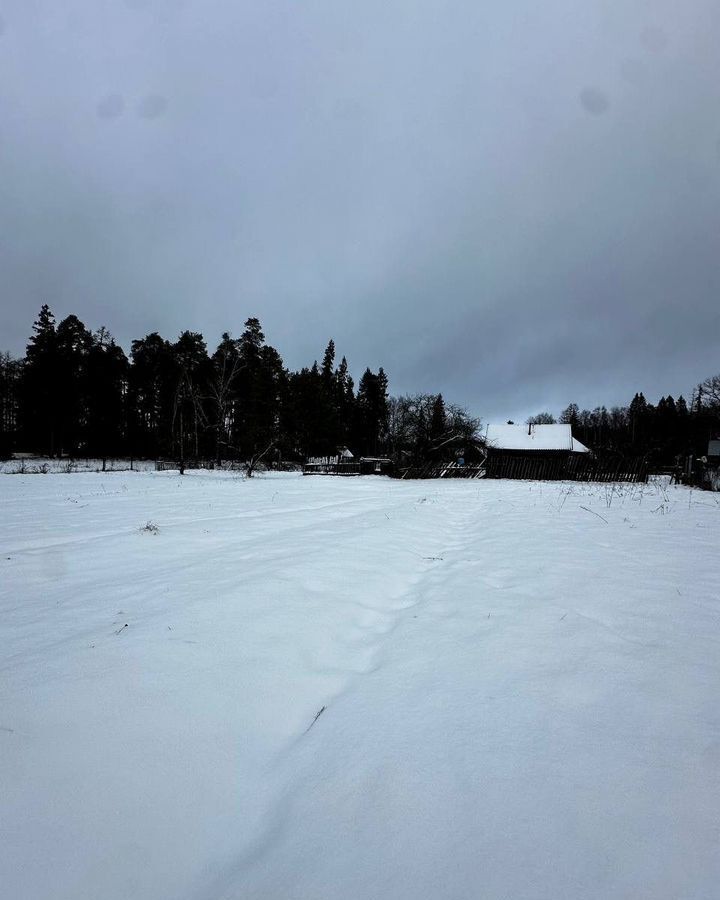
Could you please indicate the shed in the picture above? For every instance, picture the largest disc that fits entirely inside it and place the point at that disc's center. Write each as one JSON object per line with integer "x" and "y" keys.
{"x": 533, "y": 451}
{"x": 345, "y": 463}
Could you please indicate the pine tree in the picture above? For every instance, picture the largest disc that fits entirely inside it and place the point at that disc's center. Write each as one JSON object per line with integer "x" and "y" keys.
{"x": 571, "y": 416}
{"x": 152, "y": 389}
{"x": 328, "y": 362}
{"x": 74, "y": 341}
{"x": 192, "y": 374}
{"x": 251, "y": 341}
{"x": 638, "y": 416}
{"x": 39, "y": 386}
{"x": 344, "y": 402}
{"x": 107, "y": 383}
{"x": 371, "y": 412}
{"x": 260, "y": 385}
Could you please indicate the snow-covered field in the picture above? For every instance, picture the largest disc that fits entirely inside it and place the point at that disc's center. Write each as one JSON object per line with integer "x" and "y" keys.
{"x": 519, "y": 685}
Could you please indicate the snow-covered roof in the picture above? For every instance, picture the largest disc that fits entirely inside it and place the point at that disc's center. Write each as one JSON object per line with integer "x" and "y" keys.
{"x": 533, "y": 437}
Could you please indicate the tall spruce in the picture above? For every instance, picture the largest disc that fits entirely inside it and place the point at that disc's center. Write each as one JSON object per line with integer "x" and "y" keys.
{"x": 152, "y": 387}
{"x": 106, "y": 394}
{"x": 73, "y": 343}
{"x": 192, "y": 373}
{"x": 260, "y": 380}
{"x": 371, "y": 413}
{"x": 39, "y": 388}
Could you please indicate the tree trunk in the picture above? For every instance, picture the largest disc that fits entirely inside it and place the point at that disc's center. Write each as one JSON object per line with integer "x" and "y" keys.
{"x": 182, "y": 443}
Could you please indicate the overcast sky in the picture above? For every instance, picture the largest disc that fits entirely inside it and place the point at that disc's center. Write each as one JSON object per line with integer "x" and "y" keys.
{"x": 515, "y": 203}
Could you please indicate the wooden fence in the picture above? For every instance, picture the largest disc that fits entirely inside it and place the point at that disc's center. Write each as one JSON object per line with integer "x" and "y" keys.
{"x": 442, "y": 470}
{"x": 560, "y": 467}
{"x": 332, "y": 468}
{"x": 365, "y": 465}
{"x": 169, "y": 465}
{"x": 544, "y": 468}
{"x": 565, "y": 468}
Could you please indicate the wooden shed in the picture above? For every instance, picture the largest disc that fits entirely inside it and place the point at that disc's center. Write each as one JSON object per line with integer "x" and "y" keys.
{"x": 531, "y": 451}
{"x": 551, "y": 453}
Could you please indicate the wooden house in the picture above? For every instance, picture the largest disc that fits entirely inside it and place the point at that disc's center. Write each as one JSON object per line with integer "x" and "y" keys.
{"x": 531, "y": 451}
{"x": 551, "y": 453}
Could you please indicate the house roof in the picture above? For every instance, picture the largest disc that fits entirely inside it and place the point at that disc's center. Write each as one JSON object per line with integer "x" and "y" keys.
{"x": 533, "y": 437}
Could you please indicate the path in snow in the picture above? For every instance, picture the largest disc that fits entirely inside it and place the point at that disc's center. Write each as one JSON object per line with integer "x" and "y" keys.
{"x": 519, "y": 698}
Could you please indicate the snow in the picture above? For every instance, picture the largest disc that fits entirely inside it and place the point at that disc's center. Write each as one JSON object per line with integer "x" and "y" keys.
{"x": 577, "y": 447}
{"x": 533, "y": 437}
{"x": 519, "y": 683}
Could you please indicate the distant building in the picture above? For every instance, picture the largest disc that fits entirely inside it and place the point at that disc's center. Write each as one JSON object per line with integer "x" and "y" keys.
{"x": 532, "y": 439}
{"x": 532, "y": 451}
{"x": 711, "y": 468}
{"x": 346, "y": 463}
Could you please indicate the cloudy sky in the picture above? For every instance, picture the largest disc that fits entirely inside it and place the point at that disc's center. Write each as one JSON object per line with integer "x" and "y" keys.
{"x": 514, "y": 203}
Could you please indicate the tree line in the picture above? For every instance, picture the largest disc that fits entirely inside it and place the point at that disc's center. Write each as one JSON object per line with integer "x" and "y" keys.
{"x": 77, "y": 393}
{"x": 661, "y": 433}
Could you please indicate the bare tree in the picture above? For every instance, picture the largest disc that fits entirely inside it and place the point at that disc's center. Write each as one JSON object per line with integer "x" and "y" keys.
{"x": 543, "y": 418}
{"x": 256, "y": 458}
{"x": 187, "y": 392}
{"x": 227, "y": 365}
{"x": 420, "y": 427}
{"x": 709, "y": 392}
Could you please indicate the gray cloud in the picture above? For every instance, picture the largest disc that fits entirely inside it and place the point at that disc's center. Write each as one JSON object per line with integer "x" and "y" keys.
{"x": 654, "y": 39}
{"x": 111, "y": 106}
{"x": 516, "y": 205}
{"x": 152, "y": 106}
{"x": 594, "y": 101}
{"x": 634, "y": 71}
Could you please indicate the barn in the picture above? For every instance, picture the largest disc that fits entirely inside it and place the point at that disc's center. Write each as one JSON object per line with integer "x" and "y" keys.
{"x": 532, "y": 451}
{"x": 551, "y": 453}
